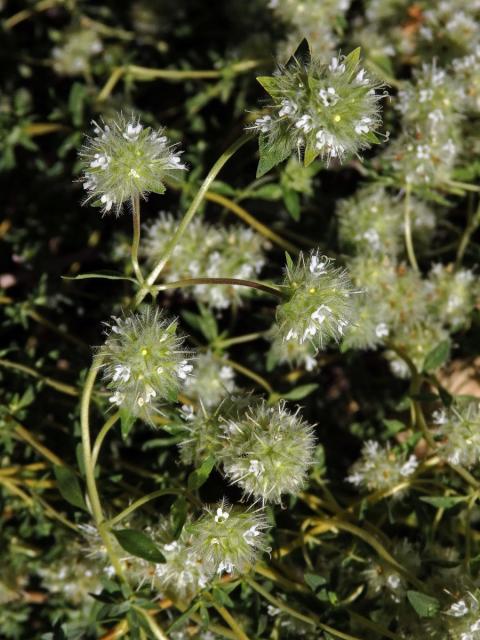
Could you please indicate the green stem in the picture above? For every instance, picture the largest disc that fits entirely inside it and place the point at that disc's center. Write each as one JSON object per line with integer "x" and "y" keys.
{"x": 472, "y": 224}
{"x": 136, "y": 237}
{"x": 50, "y": 382}
{"x": 101, "y": 436}
{"x": 141, "y": 501}
{"x": 191, "y": 282}
{"x": 152, "y": 625}
{"x": 92, "y": 490}
{"x": 191, "y": 211}
{"x": 408, "y": 230}
{"x": 248, "y": 337}
{"x": 232, "y": 623}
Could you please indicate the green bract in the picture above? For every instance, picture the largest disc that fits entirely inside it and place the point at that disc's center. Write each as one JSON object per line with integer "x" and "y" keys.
{"x": 126, "y": 160}
{"x": 321, "y": 110}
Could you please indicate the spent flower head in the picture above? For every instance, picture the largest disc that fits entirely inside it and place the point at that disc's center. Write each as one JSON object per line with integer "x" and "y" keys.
{"x": 125, "y": 160}
{"x": 381, "y": 468}
{"x": 327, "y": 110}
{"x": 268, "y": 451}
{"x": 459, "y": 428}
{"x": 144, "y": 361}
{"x": 319, "y": 301}
{"x": 229, "y": 539}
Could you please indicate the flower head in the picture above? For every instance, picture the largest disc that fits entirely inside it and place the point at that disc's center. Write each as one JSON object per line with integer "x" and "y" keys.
{"x": 125, "y": 160}
{"x": 229, "y": 539}
{"x": 328, "y": 110}
{"x": 144, "y": 361}
{"x": 268, "y": 451}
{"x": 212, "y": 379}
{"x": 319, "y": 305}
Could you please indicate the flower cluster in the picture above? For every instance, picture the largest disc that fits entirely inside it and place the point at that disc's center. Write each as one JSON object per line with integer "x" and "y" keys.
{"x": 268, "y": 451}
{"x": 208, "y": 251}
{"x": 382, "y": 468}
{"x": 382, "y": 578}
{"x": 371, "y": 222}
{"x": 73, "y": 56}
{"x": 295, "y": 354}
{"x": 316, "y": 21}
{"x": 329, "y": 111}
{"x": 125, "y": 160}
{"x": 144, "y": 361}
{"x": 459, "y": 428}
{"x": 212, "y": 379}
{"x": 319, "y": 301}
{"x": 229, "y": 539}
{"x": 454, "y": 295}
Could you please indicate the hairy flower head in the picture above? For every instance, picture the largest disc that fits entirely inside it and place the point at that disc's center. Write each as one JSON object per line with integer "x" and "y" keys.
{"x": 328, "y": 110}
{"x": 212, "y": 379}
{"x": 319, "y": 301}
{"x": 144, "y": 361}
{"x": 229, "y": 539}
{"x": 452, "y": 295}
{"x": 268, "y": 451}
{"x": 125, "y": 160}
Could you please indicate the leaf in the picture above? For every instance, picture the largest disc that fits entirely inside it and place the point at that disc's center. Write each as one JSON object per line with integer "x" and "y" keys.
{"x": 271, "y": 153}
{"x": 437, "y": 356}
{"x": 310, "y": 154}
{"x": 289, "y": 261}
{"x": 300, "y": 392}
{"x": 268, "y": 192}
{"x": 425, "y": 606}
{"x": 292, "y": 202}
{"x": 138, "y": 544}
{"x": 105, "y": 275}
{"x": 314, "y": 581}
{"x": 69, "y": 487}
{"x": 198, "y": 477}
{"x": 302, "y": 53}
{"x": 270, "y": 84}
{"x": 222, "y": 598}
{"x": 127, "y": 420}
{"x": 394, "y": 426}
{"x": 443, "y": 502}
{"x": 76, "y": 102}
{"x": 178, "y": 513}
{"x": 352, "y": 60}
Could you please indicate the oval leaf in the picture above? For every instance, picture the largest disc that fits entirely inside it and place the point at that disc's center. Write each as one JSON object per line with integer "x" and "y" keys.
{"x": 139, "y": 545}
{"x": 425, "y": 606}
{"x": 69, "y": 487}
{"x": 438, "y": 355}
{"x": 200, "y": 475}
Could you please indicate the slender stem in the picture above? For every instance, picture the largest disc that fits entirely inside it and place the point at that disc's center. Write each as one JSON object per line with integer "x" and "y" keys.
{"x": 334, "y": 523}
{"x": 27, "y": 437}
{"x": 246, "y": 372}
{"x": 278, "y": 603}
{"x": 408, "y": 230}
{"x": 472, "y": 224}
{"x": 466, "y": 186}
{"x": 232, "y": 623}
{"x": 152, "y": 625}
{"x": 248, "y": 337}
{"x": 146, "y": 73}
{"x": 191, "y": 211}
{"x": 50, "y": 382}
{"x": 101, "y": 436}
{"x": 247, "y": 217}
{"x": 191, "y": 282}
{"x": 136, "y": 237}
{"x": 141, "y": 501}
{"x": 92, "y": 490}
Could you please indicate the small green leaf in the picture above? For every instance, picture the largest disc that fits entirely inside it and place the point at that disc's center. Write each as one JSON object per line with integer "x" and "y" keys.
{"x": 394, "y": 426}
{"x": 425, "y": 606}
{"x": 268, "y": 192}
{"x": 127, "y": 420}
{"x": 270, "y": 84}
{"x": 69, "y": 487}
{"x": 438, "y": 355}
{"x": 314, "y": 581}
{"x": 292, "y": 202}
{"x": 310, "y": 154}
{"x": 271, "y": 153}
{"x": 106, "y": 275}
{"x": 300, "y": 392}
{"x": 138, "y": 544}
{"x": 200, "y": 475}
{"x": 443, "y": 502}
{"x": 178, "y": 513}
